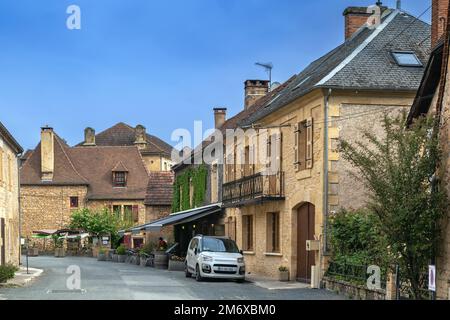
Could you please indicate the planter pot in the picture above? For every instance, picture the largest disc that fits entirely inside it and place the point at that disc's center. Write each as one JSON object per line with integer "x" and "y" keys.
{"x": 161, "y": 260}
{"x": 101, "y": 257}
{"x": 109, "y": 255}
{"x": 33, "y": 252}
{"x": 114, "y": 257}
{"x": 176, "y": 265}
{"x": 283, "y": 276}
{"x": 60, "y": 253}
{"x": 143, "y": 262}
{"x": 121, "y": 258}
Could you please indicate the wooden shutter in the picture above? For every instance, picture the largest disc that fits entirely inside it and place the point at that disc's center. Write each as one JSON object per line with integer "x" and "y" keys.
{"x": 302, "y": 146}
{"x": 309, "y": 143}
{"x": 135, "y": 212}
{"x": 296, "y": 143}
{"x": 279, "y": 144}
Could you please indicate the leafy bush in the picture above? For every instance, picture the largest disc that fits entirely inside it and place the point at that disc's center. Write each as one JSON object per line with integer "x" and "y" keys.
{"x": 121, "y": 250}
{"x": 283, "y": 269}
{"x": 7, "y": 272}
{"x": 148, "y": 248}
{"x": 356, "y": 239}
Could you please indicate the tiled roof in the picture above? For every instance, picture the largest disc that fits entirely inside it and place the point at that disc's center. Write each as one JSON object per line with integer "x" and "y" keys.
{"x": 160, "y": 189}
{"x": 65, "y": 172}
{"x": 97, "y": 163}
{"x": 91, "y": 167}
{"x": 363, "y": 62}
{"x": 122, "y": 134}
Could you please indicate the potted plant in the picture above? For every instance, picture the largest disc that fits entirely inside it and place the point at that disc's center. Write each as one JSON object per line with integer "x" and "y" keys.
{"x": 33, "y": 251}
{"x": 283, "y": 273}
{"x": 121, "y": 253}
{"x": 161, "y": 258}
{"x": 143, "y": 258}
{"x": 176, "y": 263}
{"x": 101, "y": 254}
{"x": 59, "y": 247}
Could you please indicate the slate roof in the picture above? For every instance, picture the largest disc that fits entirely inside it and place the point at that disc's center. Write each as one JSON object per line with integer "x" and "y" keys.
{"x": 122, "y": 134}
{"x": 363, "y": 62}
{"x": 159, "y": 189}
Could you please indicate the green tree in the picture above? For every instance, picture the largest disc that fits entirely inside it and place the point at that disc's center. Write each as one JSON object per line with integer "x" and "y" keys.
{"x": 98, "y": 223}
{"x": 397, "y": 169}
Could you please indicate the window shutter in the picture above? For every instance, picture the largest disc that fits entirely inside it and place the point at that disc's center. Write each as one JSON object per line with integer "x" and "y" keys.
{"x": 309, "y": 143}
{"x": 279, "y": 144}
{"x": 135, "y": 211}
{"x": 296, "y": 142}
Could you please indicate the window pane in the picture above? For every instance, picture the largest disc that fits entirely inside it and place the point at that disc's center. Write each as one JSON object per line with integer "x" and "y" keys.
{"x": 407, "y": 59}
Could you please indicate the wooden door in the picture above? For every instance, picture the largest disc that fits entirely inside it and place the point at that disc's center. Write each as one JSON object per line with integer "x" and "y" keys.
{"x": 2, "y": 242}
{"x": 305, "y": 231}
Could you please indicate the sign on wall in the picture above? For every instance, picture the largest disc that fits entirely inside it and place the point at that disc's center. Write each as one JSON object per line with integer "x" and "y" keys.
{"x": 432, "y": 278}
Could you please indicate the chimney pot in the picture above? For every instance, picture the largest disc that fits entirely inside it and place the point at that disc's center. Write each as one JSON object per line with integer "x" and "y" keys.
{"x": 356, "y": 17}
{"x": 438, "y": 20}
{"x": 255, "y": 89}
{"x": 89, "y": 137}
{"x": 140, "y": 136}
{"x": 220, "y": 116}
{"x": 47, "y": 153}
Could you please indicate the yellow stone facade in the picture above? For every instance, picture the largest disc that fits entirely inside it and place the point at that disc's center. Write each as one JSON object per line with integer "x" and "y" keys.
{"x": 349, "y": 113}
{"x": 9, "y": 204}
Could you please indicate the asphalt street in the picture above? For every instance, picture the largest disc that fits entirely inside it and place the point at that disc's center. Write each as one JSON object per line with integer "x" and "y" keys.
{"x": 120, "y": 281}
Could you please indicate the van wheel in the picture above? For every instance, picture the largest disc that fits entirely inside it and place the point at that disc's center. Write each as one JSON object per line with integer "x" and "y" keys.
{"x": 198, "y": 276}
{"x": 186, "y": 272}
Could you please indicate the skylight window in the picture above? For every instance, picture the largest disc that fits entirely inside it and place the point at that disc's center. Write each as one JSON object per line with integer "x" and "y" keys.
{"x": 406, "y": 59}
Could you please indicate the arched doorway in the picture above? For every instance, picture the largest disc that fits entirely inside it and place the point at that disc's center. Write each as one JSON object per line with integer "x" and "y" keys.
{"x": 305, "y": 231}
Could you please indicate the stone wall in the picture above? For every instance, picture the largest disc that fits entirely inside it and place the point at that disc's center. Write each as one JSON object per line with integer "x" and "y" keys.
{"x": 154, "y": 213}
{"x": 48, "y": 207}
{"x": 9, "y": 204}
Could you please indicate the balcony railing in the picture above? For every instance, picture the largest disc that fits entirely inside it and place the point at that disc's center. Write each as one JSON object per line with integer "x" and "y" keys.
{"x": 253, "y": 188}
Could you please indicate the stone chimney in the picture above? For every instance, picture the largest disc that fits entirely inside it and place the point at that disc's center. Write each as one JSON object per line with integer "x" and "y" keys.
{"x": 220, "y": 116}
{"x": 356, "y": 17}
{"x": 438, "y": 20}
{"x": 47, "y": 153}
{"x": 140, "y": 137}
{"x": 89, "y": 137}
{"x": 255, "y": 89}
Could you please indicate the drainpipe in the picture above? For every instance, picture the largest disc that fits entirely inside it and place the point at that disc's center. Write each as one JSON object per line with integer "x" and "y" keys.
{"x": 325, "y": 171}
{"x": 20, "y": 208}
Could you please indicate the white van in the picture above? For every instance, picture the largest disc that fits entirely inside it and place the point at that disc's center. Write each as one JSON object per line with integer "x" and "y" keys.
{"x": 214, "y": 257}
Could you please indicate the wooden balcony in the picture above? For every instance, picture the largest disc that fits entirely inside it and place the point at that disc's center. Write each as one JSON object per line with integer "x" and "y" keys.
{"x": 253, "y": 189}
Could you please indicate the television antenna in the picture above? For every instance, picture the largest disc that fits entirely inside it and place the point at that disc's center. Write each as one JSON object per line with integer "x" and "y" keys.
{"x": 268, "y": 67}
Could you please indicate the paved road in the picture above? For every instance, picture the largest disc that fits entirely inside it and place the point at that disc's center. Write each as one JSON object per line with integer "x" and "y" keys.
{"x": 119, "y": 281}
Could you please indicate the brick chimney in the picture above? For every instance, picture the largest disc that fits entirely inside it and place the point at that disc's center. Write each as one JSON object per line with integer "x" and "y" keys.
{"x": 356, "y": 17}
{"x": 89, "y": 137}
{"x": 220, "y": 116}
{"x": 140, "y": 137}
{"x": 438, "y": 20}
{"x": 47, "y": 153}
{"x": 255, "y": 89}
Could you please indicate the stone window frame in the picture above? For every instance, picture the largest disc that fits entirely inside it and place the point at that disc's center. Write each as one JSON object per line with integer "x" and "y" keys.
{"x": 74, "y": 202}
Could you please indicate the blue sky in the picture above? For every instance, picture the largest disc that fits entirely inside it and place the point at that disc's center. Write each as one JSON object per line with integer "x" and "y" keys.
{"x": 163, "y": 64}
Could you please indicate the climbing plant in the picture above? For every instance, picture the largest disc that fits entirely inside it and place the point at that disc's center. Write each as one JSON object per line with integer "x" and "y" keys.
{"x": 182, "y": 188}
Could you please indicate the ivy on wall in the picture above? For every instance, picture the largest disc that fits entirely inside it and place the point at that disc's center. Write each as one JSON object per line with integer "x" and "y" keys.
{"x": 182, "y": 189}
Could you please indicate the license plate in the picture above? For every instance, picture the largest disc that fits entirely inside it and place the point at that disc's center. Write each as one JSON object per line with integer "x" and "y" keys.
{"x": 226, "y": 269}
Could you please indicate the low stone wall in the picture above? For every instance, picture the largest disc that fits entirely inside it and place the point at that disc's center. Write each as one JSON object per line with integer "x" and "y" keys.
{"x": 353, "y": 291}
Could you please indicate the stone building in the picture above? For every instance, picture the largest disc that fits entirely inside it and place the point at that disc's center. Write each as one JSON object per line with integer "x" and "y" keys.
{"x": 10, "y": 151}
{"x": 155, "y": 152}
{"x": 274, "y": 212}
{"x": 57, "y": 179}
{"x": 434, "y": 93}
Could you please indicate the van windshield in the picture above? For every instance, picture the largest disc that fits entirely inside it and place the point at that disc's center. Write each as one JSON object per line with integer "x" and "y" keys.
{"x": 219, "y": 245}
